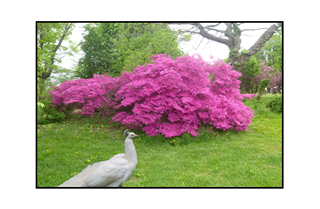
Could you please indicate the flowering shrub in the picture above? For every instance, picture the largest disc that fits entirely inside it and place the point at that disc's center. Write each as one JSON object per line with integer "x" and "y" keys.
{"x": 88, "y": 94}
{"x": 275, "y": 84}
{"x": 176, "y": 96}
{"x": 166, "y": 96}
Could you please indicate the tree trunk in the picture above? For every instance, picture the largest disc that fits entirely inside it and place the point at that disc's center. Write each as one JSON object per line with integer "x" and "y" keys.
{"x": 48, "y": 72}
{"x": 237, "y": 59}
{"x": 233, "y": 40}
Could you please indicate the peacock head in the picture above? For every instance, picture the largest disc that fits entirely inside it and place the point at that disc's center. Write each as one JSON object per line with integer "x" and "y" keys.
{"x": 129, "y": 135}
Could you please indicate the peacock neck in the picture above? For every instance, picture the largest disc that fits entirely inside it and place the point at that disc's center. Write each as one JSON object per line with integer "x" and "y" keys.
{"x": 130, "y": 151}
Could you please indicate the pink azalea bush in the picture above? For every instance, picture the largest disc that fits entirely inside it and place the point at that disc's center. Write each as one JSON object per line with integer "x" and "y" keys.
{"x": 88, "y": 94}
{"x": 176, "y": 96}
{"x": 166, "y": 96}
{"x": 275, "y": 85}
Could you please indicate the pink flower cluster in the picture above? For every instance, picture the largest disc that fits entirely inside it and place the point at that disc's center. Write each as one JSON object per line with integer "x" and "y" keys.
{"x": 176, "y": 96}
{"x": 275, "y": 85}
{"x": 166, "y": 96}
{"x": 88, "y": 94}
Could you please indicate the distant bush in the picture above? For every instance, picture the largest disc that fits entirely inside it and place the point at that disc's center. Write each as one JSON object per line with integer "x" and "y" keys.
{"x": 275, "y": 105}
{"x": 167, "y": 96}
{"x": 275, "y": 83}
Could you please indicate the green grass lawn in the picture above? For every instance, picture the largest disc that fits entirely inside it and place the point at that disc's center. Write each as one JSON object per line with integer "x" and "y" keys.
{"x": 251, "y": 158}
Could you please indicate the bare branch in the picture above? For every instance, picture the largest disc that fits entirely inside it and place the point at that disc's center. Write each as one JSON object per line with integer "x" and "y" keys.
{"x": 254, "y": 29}
{"x": 189, "y": 31}
{"x": 221, "y": 31}
{"x": 210, "y": 36}
{"x": 179, "y": 23}
{"x": 198, "y": 45}
{"x": 263, "y": 39}
{"x": 211, "y": 26}
{"x": 206, "y": 45}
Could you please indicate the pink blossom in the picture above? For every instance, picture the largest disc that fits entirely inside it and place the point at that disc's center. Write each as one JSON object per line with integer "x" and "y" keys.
{"x": 167, "y": 96}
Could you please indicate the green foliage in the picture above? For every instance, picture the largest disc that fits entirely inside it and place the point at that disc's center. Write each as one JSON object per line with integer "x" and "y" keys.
{"x": 235, "y": 31}
{"x": 48, "y": 37}
{"x": 233, "y": 53}
{"x": 144, "y": 41}
{"x": 99, "y": 49}
{"x": 113, "y": 48}
{"x": 40, "y": 105}
{"x": 46, "y": 114}
{"x": 276, "y": 104}
{"x": 260, "y": 107}
{"x": 52, "y": 44}
{"x": 250, "y": 70}
{"x": 272, "y": 51}
{"x": 263, "y": 84}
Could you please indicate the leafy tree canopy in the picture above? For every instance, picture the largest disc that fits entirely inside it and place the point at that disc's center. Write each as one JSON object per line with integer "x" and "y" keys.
{"x": 99, "y": 49}
{"x": 250, "y": 70}
{"x": 272, "y": 51}
{"x": 49, "y": 46}
{"x": 118, "y": 47}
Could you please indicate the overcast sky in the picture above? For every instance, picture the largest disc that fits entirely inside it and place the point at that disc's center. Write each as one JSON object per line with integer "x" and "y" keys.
{"x": 205, "y": 49}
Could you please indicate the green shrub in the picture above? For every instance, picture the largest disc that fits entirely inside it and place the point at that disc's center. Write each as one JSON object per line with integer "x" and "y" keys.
{"x": 46, "y": 114}
{"x": 263, "y": 84}
{"x": 250, "y": 70}
{"x": 275, "y": 105}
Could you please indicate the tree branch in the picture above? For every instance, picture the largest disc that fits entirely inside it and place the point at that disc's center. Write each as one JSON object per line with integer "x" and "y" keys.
{"x": 235, "y": 25}
{"x": 199, "y": 45}
{"x": 254, "y": 29}
{"x": 49, "y": 71}
{"x": 228, "y": 31}
{"x": 209, "y": 26}
{"x": 263, "y": 39}
{"x": 210, "y": 36}
{"x": 62, "y": 37}
{"x": 189, "y": 31}
{"x": 205, "y": 45}
{"x": 221, "y": 31}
